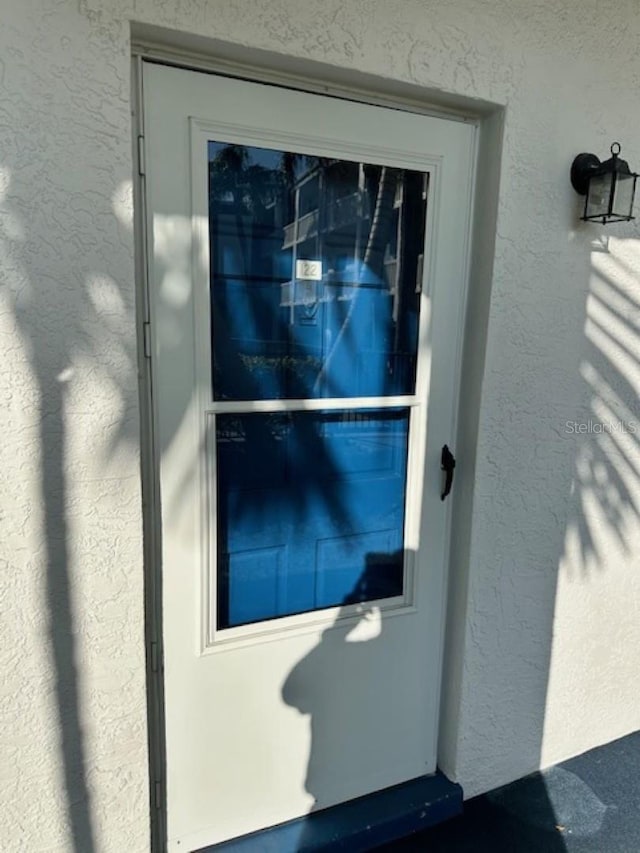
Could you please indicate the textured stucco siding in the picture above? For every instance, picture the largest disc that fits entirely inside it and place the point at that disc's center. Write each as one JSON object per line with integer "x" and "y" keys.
{"x": 73, "y": 727}
{"x": 548, "y": 632}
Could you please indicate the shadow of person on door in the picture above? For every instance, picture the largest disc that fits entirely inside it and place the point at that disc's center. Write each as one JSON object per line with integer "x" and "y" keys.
{"x": 360, "y": 695}
{"x": 354, "y": 689}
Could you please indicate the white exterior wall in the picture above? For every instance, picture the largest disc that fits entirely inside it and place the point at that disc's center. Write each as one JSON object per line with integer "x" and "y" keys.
{"x": 543, "y": 650}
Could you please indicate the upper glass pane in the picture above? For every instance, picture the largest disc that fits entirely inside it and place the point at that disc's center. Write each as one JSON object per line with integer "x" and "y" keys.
{"x": 316, "y": 266}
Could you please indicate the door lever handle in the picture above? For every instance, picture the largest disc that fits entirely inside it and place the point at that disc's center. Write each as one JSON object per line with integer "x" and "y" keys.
{"x": 447, "y": 464}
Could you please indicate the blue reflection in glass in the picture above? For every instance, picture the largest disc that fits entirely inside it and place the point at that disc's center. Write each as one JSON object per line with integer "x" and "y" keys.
{"x": 346, "y": 327}
{"x": 310, "y": 510}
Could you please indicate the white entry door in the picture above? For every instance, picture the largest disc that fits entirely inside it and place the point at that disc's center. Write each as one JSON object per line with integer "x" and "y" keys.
{"x": 307, "y": 260}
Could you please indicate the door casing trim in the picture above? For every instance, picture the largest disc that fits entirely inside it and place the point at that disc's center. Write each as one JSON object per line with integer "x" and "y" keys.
{"x": 155, "y": 49}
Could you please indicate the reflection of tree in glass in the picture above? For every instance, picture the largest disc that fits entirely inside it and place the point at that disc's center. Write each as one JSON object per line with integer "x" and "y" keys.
{"x": 234, "y": 180}
{"x": 373, "y": 261}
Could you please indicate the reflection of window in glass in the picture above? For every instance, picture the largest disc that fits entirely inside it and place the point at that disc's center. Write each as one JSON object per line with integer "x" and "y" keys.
{"x": 354, "y": 332}
{"x": 307, "y": 192}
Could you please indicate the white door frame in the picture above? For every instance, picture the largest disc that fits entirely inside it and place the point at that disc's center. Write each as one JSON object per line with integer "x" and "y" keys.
{"x": 149, "y": 460}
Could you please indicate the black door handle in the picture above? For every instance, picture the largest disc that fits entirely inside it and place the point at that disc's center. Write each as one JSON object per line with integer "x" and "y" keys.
{"x": 447, "y": 464}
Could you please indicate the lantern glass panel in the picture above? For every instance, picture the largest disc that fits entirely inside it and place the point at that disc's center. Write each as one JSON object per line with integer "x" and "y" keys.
{"x": 623, "y": 196}
{"x": 598, "y": 197}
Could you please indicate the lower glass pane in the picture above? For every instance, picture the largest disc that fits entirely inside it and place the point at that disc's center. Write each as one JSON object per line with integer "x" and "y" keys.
{"x": 310, "y": 510}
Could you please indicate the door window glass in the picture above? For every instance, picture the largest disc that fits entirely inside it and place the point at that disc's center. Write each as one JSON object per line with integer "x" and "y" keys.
{"x": 316, "y": 266}
{"x": 310, "y": 510}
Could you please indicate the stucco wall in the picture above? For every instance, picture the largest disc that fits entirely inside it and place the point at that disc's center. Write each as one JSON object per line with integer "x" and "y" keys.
{"x": 549, "y": 630}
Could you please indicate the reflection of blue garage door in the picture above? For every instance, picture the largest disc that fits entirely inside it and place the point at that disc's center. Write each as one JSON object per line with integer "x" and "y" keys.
{"x": 304, "y": 497}
{"x": 315, "y": 277}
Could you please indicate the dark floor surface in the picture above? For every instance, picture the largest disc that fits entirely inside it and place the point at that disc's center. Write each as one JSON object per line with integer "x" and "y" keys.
{"x": 589, "y": 804}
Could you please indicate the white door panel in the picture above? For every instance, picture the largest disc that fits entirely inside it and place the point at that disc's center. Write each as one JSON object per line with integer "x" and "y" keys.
{"x": 304, "y": 381}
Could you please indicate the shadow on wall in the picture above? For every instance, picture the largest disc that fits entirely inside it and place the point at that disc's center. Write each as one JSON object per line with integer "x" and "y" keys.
{"x": 606, "y": 495}
{"x": 578, "y": 426}
{"x": 75, "y": 323}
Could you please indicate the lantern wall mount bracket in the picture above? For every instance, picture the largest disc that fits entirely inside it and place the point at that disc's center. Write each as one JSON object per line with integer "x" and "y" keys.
{"x": 582, "y": 168}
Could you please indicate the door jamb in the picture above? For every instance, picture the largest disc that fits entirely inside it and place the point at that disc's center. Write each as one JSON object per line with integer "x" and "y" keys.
{"x": 150, "y": 483}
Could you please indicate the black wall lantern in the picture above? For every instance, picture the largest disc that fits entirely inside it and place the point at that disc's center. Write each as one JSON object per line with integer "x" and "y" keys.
{"x": 609, "y": 187}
